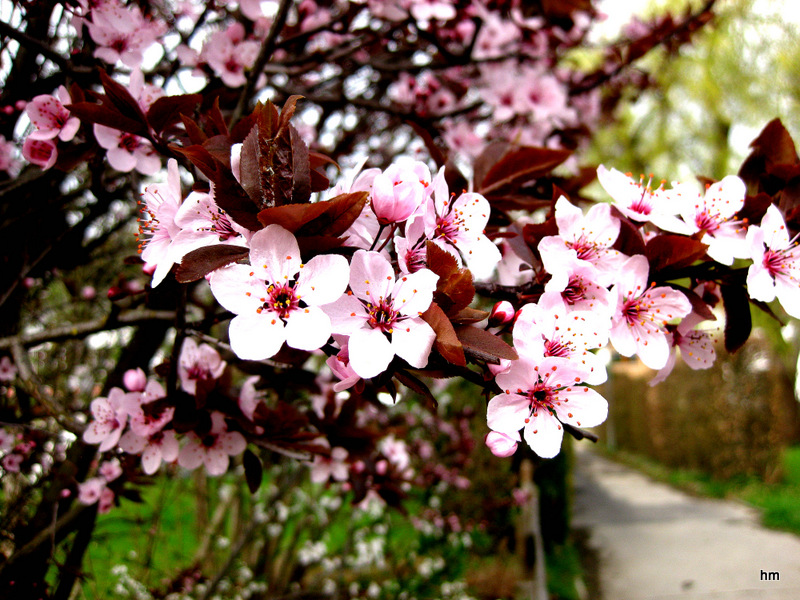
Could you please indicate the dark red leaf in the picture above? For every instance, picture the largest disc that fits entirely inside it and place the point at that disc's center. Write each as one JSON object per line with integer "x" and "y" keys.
{"x": 169, "y": 110}
{"x": 121, "y": 99}
{"x": 483, "y": 345}
{"x": 340, "y": 213}
{"x": 630, "y": 240}
{"x": 301, "y": 169}
{"x": 200, "y": 262}
{"x": 446, "y": 343}
{"x": 520, "y": 165}
{"x": 253, "y": 470}
{"x": 415, "y": 385}
{"x": 738, "y": 323}
{"x": 89, "y": 112}
{"x": 454, "y": 289}
{"x": 291, "y": 216}
{"x": 669, "y": 251}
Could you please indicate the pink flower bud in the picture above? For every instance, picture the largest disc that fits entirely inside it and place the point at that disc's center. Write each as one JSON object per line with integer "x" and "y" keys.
{"x": 134, "y": 380}
{"x": 502, "y": 313}
{"x": 88, "y": 292}
{"x": 40, "y": 152}
{"x": 500, "y": 444}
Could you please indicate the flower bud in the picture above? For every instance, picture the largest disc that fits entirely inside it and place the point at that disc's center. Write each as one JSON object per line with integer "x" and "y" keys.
{"x": 134, "y": 380}
{"x": 502, "y": 313}
{"x": 501, "y": 444}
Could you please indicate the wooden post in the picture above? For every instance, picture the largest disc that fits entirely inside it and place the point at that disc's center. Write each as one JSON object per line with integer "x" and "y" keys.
{"x": 529, "y": 539}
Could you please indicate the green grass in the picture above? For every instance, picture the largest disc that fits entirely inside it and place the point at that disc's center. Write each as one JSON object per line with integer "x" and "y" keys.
{"x": 779, "y": 502}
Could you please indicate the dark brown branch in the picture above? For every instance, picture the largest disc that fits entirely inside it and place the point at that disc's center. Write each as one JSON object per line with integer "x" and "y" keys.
{"x": 267, "y": 48}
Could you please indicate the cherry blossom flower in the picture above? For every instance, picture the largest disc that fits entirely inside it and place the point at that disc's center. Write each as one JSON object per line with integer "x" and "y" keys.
{"x": 158, "y": 228}
{"x": 8, "y": 370}
{"x": 548, "y": 329}
{"x": 696, "y": 347}
{"x": 576, "y": 283}
{"x": 228, "y": 54}
{"x": 432, "y": 10}
{"x": 399, "y": 190}
{"x": 213, "y": 448}
{"x": 339, "y": 364}
{"x": 642, "y": 314}
{"x": 42, "y": 153}
{"x": 382, "y": 316}
{"x": 333, "y": 466}
{"x": 90, "y": 490}
{"x": 203, "y": 223}
{"x": 127, "y": 151}
{"x": 9, "y": 163}
{"x": 775, "y": 271}
{"x": 198, "y": 363}
{"x": 110, "y": 418}
{"x": 12, "y": 462}
{"x": 712, "y": 216}
{"x": 277, "y": 298}
{"x": 160, "y": 446}
{"x": 110, "y": 469}
{"x": 538, "y": 397}
{"x": 122, "y": 33}
{"x": 51, "y": 118}
{"x": 148, "y": 417}
{"x": 640, "y": 202}
{"x": 587, "y": 237}
{"x": 456, "y": 225}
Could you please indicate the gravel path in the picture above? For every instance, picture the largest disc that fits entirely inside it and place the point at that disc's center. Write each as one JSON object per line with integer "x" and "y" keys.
{"x": 655, "y": 543}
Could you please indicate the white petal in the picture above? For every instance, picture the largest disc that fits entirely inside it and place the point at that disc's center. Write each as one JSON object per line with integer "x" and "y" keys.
{"x": 256, "y": 337}
{"x": 412, "y": 340}
{"x": 275, "y": 250}
{"x": 323, "y": 279}
{"x": 544, "y": 434}
{"x": 237, "y": 289}
{"x": 308, "y": 328}
{"x": 370, "y": 352}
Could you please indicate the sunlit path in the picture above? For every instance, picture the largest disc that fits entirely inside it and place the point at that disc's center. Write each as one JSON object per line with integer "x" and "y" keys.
{"x": 654, "y": 542}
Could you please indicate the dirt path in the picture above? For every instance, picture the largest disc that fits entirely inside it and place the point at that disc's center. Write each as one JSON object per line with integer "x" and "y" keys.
{"x": 656, "y": 543}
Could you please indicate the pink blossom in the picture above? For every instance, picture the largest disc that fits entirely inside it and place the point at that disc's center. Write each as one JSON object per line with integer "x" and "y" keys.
{"x": 497, "y": 36}
{"x": 127, "y": 151}
{"x": 213, "y": 448}
{"x": 339, "y": 364}
{"x": 90, "y": 490}
{"x": 122, "y": 33}
{"x": 775, "y": 271}
{"x": 203, "y": 223}
{"x": 106, "y": 501}
{"x": 382, "y": 316}
{"x": 333, "y": 466}
{"x": 588, "y": 238}
{"x": 576, "y": 282}
{"x": 229, "y": 54}
{"x": 456, "y": 225}
{"x": 8, "y": 370}
{"x": 432, "y": 10}
{"x": 9, "y": 163}
{"x": 642, "y": 314}
{"x": 198, "y": 363}
{"x": 548, "y": 329}
{"x": 711, "y": 215}
{"x": 110, "y": 418}
{"x": 502, "y": 445}
{"x": 640, "y": 202}
{"x": 160, "y": 446}
{"x": 157, "y": 226}
{"x": 277, "y": 298}
{"x": 399, "y": 190}
{"x": 538, "y": 397}
{"x": 396, "y": 451}
{"x": 147, "y": 416}
{"x": 110, "y": 469}
{"x": 42, "y": 153}
{"x": 12, "y": 462}
{"x": 249, "y": 397}
{"x": 696, "y": 347}
{"x": 51, "y": 118}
